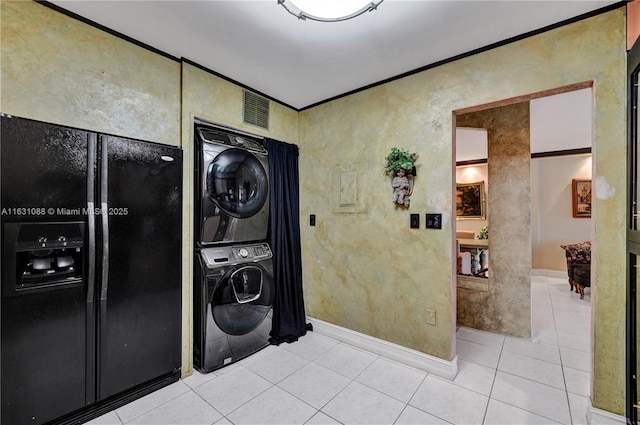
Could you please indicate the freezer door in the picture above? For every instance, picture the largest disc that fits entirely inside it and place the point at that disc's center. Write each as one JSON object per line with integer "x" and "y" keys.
{"x": 46, "y": 365}
{"x": 140, "y": 293}
{"x": 43, "y": 171}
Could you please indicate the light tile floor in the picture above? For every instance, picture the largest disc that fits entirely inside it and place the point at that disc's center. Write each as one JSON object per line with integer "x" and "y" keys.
{"x": 317, "y": 380}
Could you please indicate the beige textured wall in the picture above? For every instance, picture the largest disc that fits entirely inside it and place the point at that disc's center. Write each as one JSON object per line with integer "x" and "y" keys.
{"x": 60, "y": 70}
{"x": 212, "y": 98}
{"x": 369, "y": 272}
{"x": 506, "y": 307}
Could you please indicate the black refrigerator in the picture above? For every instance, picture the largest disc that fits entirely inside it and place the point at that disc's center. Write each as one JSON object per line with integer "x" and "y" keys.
{"x": 91, "y": 271}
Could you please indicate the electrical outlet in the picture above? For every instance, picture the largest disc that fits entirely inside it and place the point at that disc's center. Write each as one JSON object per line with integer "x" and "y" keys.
{"x": 431, "y": 317}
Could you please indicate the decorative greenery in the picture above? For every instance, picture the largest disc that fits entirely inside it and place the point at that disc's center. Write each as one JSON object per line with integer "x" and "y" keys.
{"x": 400, "y": 159}
{"x": 484, "y": 233}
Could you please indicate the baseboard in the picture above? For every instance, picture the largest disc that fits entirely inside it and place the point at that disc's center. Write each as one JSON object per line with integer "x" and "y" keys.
{"x": 549, "y": 273}
{"x": 437, "y": 366}
{"x": 597, "y": 416}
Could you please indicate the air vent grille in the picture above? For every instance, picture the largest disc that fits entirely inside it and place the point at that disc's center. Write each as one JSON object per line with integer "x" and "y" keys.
{"x": 256, "y": 110}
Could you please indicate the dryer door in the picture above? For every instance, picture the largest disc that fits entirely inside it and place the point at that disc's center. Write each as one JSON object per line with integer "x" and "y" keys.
{"x": 237, "y": 182}
{"x": 242, "y": 299}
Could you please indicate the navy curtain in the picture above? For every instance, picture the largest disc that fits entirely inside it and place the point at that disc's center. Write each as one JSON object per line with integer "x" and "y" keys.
{"x": 284, "y": 237}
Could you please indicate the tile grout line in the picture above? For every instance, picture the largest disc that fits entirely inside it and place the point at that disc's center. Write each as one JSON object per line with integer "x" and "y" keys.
{"x": 495, "y": 375}
{"x": 273, "y": 385}
{"x": 323, "y": 367}
{"x": 412, "y": 395}
{"x": 352, "y": 380}
{"x": 118, "y": 416}
{"x": 252, "y": 398}
{"x": 205, "y": 400}
{"x": 308, "y": 361}
{"x": 407, "y": 404}
{"x": 564, "y": 377}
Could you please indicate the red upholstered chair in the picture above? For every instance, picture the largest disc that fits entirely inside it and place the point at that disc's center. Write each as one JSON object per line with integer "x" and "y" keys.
{"x": 578, "y": 266}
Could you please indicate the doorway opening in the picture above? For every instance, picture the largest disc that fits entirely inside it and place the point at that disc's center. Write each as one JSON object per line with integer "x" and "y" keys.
{"x": 537, "y": 146}
{"x": 522, "y": 310}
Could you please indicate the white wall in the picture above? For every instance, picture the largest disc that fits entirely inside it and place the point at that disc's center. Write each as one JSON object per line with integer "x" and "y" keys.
{"x": 553, "y": 222}
{"x": 471, "y": 144}
{"x": 562, "y": 121}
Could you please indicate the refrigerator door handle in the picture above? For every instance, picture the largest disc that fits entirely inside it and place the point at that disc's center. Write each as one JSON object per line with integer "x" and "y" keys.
{"x": 105, "y": 219}
{"x": 90, "y": 383}
{"x": 91, "y": 218}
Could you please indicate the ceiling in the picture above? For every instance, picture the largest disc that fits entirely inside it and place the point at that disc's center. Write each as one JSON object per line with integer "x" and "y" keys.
{"x": 301, "y": 63}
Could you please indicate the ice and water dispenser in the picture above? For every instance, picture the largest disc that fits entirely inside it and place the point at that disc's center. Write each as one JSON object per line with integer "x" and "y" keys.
{"x": 42, "y": 256}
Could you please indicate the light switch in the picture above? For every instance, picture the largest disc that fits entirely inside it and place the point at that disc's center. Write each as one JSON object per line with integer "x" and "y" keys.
{"x": 434, "y": 221}
{"x": 415, "y": 221}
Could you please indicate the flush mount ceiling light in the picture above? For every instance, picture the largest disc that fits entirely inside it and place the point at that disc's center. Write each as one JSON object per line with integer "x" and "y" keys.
{"x": 328, "y": 10}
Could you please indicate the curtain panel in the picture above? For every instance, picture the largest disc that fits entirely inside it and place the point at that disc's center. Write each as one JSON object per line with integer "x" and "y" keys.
{"x": 284, "y": 237}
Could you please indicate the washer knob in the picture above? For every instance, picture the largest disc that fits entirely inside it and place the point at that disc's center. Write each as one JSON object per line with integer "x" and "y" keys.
{"x": 243, "y": 252}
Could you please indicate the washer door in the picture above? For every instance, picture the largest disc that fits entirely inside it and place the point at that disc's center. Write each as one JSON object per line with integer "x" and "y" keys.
{"x": 242, "y": 299}
{"x": 237, "y": 182}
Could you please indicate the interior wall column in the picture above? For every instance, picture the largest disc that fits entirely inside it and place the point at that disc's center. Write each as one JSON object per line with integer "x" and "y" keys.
{"x": 506, "y": 307}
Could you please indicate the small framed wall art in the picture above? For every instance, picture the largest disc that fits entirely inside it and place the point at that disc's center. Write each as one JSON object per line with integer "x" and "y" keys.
{"x": 470, "y": 201}
{"x": 581, "y": 198}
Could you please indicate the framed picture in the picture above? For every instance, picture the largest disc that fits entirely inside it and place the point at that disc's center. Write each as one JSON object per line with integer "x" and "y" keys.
{"x": 470, "y": 202}
{"x": 581, "y": 197}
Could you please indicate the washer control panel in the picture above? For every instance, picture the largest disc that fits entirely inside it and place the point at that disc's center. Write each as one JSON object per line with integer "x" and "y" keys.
{"x": 254, "y": 252}
{"x": 261, "y": 251}
{"x": 220, "y": 256}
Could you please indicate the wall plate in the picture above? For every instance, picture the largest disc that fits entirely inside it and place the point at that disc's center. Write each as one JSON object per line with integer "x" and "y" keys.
{"x": 414, "y": 221}
{"x": 434, "y": 221}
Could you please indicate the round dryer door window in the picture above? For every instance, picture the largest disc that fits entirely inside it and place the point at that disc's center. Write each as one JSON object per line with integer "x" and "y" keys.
{"x": 243, "y": 299}
{"x": 238, "y": 183}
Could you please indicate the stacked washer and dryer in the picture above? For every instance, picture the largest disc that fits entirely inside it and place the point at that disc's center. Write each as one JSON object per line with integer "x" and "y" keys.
{"x": 233, "y": 271}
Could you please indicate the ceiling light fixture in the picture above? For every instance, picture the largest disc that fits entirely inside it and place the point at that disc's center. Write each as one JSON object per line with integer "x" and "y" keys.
{"x": 328, "y": 10}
